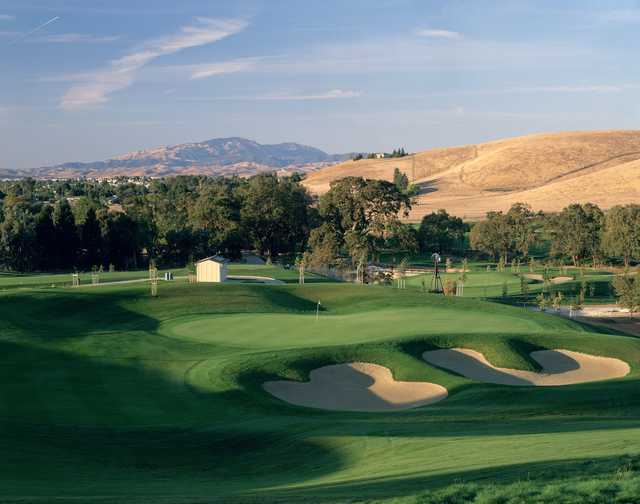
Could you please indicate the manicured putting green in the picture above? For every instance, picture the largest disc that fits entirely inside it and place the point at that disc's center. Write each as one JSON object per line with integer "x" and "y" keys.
{"x": 266, "y": 330}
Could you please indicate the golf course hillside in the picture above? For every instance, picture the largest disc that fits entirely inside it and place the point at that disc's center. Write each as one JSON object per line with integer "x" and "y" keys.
{"x": 547, "y": 171}
{"x": 325, "y": 392}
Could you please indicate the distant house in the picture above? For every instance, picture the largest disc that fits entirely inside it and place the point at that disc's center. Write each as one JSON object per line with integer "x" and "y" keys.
{"x": 379, "y": 155}
{"x": 211, "y": 269}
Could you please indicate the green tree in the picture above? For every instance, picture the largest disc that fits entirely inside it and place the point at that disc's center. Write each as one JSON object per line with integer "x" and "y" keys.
{"x": 400, "y": 180}
{"x": 362, "y": 213}
{"x": 66, "y": 233}
{"x": 275, "y": 214}
{"x": 627, "y": 290}
{"x": 91, "y": 239}
{"x": 441, "y": 232}
{"x": 45, "y": 236}
{"x": 492, "y": 236}
{"x": 576, "y": 232}
{"x": 622, "y": 232}
{"x": 18, "y": 238}
{"x": 520, "y": 220}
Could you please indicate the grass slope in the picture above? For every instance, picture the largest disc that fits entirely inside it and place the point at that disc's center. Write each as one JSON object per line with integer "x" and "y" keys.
{"x": 111, "y": 395}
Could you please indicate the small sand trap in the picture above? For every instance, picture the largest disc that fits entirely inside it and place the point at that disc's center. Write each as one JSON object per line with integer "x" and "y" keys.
{"x": 357, "y": 386}
{"x": 559, "y": 367}
{"x": 555, "y": 280}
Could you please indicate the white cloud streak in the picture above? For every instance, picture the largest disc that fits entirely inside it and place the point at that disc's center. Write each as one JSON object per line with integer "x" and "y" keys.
{"x": 212, "y": 69}
{"x": 120, "y": 73}
{"x": 333, "y": 94}
{"x": 76, "y": 38}
{"x": 442, "y": 34}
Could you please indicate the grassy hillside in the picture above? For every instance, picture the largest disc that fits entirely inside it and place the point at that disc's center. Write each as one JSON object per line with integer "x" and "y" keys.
{"x": 111, "y": 395}
{"x": 547, "y": 171}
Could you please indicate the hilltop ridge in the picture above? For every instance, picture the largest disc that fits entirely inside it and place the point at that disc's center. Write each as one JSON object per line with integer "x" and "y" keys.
{"x": 548, "y": 171}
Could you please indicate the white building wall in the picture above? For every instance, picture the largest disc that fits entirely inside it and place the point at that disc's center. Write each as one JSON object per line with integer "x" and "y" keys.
{"x": 210, "y": 271}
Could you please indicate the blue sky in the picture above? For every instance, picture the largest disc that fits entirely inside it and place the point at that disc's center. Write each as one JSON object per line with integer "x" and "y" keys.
{"x": 106, "y": 77}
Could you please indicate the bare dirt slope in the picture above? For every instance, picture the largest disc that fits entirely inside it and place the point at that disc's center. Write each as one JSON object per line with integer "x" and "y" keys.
{"x": 548, "y": 171}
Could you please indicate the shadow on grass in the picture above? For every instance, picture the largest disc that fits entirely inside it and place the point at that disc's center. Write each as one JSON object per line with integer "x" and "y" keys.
{"x": 540, "y": 472}
{"x": 80, "y": 426}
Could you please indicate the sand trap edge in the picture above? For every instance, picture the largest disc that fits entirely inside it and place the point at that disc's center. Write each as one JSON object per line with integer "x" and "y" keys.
{"x": 356, "y": 387}
{"x": 559, "y": 367}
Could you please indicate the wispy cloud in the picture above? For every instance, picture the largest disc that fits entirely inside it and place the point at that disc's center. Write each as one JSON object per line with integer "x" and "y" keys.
{"x": 76, "y": 38}
{"x": 333, "y": 94}
{"x": 442, "y": 34}
{"x": 7, "y": 17}
{"x": 224, "y": 67}
{"x": 120, "y": 73}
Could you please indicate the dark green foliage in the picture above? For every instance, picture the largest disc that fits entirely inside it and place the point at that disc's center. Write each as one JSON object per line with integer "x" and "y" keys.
{"x": 576, "y": 232}
{"x": 65, "y": 245}
{"x": 622, "y": 232}
{"x": 360, "y": 214}
{"x": 442, "y": 233}
{"x": 400, "y": 180}
{"x": 504, "y": 235}
{"x": 171, "y": 220}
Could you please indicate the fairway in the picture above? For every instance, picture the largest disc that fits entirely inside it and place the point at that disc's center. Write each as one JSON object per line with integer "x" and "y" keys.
{"x": 113, "y": 393}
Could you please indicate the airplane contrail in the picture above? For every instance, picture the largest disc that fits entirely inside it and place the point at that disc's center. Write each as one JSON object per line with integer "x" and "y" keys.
{"x": 37, "y": 28}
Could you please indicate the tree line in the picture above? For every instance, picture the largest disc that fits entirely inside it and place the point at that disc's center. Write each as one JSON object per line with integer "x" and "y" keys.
{"x": 63, "y": 225}
{"x": 579, "y": 233}
{"x": 171, "y": 221}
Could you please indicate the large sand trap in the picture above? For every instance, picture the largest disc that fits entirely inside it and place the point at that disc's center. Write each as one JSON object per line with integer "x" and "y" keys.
{"x": 559, "y": 367}
{"x": 357, "y": 386}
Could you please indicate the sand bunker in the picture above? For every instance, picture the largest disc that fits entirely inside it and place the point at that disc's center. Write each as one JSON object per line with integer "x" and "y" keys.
{"x": 561, "y": 279}
{"x": 357, "y": 386}
{"x": 559, "y": 367}
{"x": 555, "y": 280}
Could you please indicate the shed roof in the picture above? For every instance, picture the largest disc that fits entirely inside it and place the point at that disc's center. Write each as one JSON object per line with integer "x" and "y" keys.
{"x": 216, "y": 259}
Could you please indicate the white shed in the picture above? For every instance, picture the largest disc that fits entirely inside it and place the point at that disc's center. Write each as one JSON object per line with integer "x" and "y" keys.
{"x": 211, "y": 269}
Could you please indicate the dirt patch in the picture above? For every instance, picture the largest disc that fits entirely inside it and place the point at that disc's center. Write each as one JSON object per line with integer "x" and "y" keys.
{"x": 357, "y": 386}
{"x": 561, "y": 279}
{"x": 559, "y": 367}
{"x": 534, "y": 276}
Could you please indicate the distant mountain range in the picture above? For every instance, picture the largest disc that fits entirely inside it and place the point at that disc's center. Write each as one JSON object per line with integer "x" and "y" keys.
{"x": 220, "y": 156}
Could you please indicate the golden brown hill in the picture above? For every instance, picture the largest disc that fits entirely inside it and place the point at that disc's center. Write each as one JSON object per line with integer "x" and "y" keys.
{"x": 548, "y": 171}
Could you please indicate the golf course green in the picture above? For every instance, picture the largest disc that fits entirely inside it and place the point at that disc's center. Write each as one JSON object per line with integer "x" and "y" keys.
{"x": 111, "y": 395}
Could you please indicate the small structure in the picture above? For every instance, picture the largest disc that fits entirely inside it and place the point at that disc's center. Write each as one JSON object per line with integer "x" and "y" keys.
{"x": 211, "y": 269}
